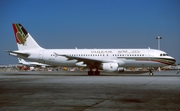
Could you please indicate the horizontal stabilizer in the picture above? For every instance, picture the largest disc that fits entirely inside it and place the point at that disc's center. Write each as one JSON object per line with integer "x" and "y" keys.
{"x": 18, "y": 53}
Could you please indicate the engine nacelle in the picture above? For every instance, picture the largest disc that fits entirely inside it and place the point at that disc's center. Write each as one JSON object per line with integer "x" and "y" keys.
{"x": 109, "y": 67}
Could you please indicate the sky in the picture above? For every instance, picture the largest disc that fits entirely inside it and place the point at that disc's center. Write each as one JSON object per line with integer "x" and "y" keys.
{"x": 92, "y": 24}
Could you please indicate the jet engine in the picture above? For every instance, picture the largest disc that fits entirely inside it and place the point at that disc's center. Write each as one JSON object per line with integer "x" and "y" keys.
{"x": 109, "y": 67}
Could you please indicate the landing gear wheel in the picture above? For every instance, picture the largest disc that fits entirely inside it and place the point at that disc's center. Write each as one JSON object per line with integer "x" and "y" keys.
{"x": 90, "y": 72}
{"x": 97, "y": 72}
{"x": 151, "y": 73}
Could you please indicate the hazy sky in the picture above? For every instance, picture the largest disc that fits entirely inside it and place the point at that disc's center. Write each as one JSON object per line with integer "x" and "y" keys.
{"x": 92, "y": 24}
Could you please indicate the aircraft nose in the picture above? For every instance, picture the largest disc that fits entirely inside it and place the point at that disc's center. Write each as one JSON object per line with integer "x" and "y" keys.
{"x": 173, "y": 61}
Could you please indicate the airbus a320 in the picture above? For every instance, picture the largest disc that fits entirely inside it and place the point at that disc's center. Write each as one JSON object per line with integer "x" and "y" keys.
{"x": 109, "y": 60}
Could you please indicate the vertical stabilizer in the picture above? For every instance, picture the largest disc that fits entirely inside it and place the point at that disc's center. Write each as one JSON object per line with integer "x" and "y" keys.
{"x": 23, "y": 39}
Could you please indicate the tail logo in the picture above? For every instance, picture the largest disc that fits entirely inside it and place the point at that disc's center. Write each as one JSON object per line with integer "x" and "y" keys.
{"x": 20, "y": 33}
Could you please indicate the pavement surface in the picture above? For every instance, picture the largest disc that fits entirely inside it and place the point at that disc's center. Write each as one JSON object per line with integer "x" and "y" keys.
{"x": 75, "y": 91}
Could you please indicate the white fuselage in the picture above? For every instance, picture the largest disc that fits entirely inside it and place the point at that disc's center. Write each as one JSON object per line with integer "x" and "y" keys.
{"x": 124, "y": 57}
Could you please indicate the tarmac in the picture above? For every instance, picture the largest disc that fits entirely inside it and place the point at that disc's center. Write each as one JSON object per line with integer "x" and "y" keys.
{"x": 76, "y": 91}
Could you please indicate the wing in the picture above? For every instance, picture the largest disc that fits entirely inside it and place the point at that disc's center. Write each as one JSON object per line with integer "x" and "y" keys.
{"x": 90, "y": 62}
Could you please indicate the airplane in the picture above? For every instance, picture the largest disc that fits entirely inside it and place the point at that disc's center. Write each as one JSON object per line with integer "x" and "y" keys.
{"x": 108, "y": 60}
{"x": 27, "y": 63}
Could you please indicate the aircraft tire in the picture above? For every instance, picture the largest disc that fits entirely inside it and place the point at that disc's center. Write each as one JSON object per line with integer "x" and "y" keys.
{"x": 151, "y": 73}
{"x": 90, "y": 73}
{"x": 97, "y": 72}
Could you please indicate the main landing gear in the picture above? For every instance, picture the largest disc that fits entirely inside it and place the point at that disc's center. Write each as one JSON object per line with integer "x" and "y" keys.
{"x": 91, "y": 72}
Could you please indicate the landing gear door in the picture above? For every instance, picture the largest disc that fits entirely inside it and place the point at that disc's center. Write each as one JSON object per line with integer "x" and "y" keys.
{"x": 41, "y": 55}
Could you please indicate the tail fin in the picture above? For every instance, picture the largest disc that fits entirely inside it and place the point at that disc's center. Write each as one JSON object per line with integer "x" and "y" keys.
{"x": 23, "y": 39}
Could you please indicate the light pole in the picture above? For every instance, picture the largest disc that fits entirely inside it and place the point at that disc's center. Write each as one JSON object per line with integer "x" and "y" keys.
{"x": 158, "y": 38}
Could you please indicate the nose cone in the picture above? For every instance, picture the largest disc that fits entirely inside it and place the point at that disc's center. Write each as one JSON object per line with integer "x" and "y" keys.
{"x": 172, "y": 61}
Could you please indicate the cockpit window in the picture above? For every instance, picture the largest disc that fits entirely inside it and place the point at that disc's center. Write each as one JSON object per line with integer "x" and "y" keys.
{"x": 163, "y": 54}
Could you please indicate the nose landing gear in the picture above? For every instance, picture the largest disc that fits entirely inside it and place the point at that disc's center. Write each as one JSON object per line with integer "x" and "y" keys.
{"x": 151, "y": 72}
